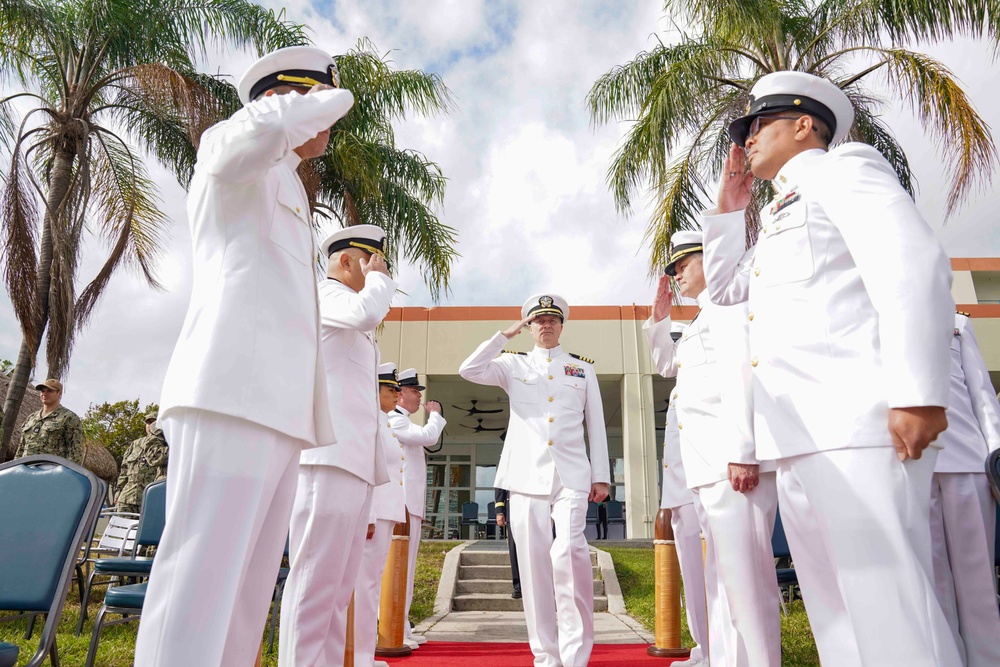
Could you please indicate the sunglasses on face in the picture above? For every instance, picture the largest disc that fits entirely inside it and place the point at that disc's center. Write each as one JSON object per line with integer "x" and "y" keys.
{"x": 761, "y": 121}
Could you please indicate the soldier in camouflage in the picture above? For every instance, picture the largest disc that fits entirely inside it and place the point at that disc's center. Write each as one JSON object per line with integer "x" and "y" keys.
{"x": 53, "y": 430}
{"x": 144, "y": 462}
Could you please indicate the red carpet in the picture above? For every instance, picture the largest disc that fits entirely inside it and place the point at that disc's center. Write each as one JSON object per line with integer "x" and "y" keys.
{"x": 450, "y": 654}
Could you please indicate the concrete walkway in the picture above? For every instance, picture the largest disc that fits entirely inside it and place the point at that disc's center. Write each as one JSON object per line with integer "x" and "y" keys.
{"x": 611, "y": 627}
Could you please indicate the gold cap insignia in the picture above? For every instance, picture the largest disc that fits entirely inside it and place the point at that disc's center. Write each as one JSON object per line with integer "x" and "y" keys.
{"x": 545, "y": 302}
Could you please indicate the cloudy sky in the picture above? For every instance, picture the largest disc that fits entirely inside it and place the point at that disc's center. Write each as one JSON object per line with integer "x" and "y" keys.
{"x": 526, "y": 169}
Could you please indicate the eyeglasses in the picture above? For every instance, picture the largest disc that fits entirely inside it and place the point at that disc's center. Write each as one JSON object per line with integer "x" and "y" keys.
{"x": 760, "y": 121}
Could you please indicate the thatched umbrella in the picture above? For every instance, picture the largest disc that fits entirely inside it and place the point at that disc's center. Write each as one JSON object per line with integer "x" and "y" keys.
{"x": 98, "y": 460}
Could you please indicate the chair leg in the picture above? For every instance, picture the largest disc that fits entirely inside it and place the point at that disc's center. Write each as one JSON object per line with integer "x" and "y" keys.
{"x": 31, "y": 626}
{"x": 95, "y": 636}
{"x": 781, "y": 599}
{"x": 84, "y": 600}
{"x": 275, "y": 613}
{"x": 54, "y": 655}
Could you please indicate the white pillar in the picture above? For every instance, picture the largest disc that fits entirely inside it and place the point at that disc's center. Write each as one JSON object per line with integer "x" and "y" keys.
{"x": 639, "y": 445}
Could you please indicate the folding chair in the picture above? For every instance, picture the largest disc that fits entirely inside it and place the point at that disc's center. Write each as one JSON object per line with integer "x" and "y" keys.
{"x": 616, "y": 516}
{"x": 787, "y": 578}
{"x": 48, "y": 504}
{"x": 147, "y": 534}
{"x": 470, "y": 517}
{"x": 124, "y": 600}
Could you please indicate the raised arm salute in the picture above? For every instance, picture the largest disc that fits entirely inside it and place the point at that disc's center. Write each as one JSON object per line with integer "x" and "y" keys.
{"x": 544, "y": 466}
{"x": 850, "y": 317}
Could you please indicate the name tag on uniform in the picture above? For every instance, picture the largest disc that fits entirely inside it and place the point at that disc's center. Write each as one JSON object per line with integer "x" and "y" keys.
{"x": 575, "y": 371}
{"x": 787, "y": 200}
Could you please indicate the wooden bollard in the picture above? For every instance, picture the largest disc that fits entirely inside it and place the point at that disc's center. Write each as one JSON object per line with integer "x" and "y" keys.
{"x": 668, "y": 592}
{"x": 349, "y": 644}
{"x": 392, "y": 602}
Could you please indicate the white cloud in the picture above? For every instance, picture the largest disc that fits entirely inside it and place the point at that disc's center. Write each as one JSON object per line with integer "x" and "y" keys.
{"x": 526, "y": 170}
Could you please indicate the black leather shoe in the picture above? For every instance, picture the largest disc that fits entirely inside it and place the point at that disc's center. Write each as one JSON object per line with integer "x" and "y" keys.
{"x": 516, "y": 595}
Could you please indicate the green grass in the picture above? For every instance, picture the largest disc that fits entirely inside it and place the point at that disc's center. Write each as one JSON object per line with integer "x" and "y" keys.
{"x": 118, "y": 642}
{"x": 635, "y": 571}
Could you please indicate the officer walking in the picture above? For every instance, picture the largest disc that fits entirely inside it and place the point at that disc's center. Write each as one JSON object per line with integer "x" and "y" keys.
{"x": 54, "y": 430}
{"x": 850, "y": 317}
{"x": 415, "y": 439}
{"x": 335, "y": 483}
{"x": 140, "y": 466}
{"x": 737, "y": 498}
{"x": 544, "y": 465}
{"x": 237, "y": 420}
{"x": 963, "y": 512}
{"x": 678, "y": 498}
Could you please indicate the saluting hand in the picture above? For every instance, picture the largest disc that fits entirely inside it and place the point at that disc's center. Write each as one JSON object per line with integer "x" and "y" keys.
{"x": 432, "y": 406}
{"x": 734, "y": 190}
{"x": 913, "y": 429}
{"x": 744, "y": 477}
{"x": 664, "y": 299}
{"x": 318, "y": 87}
{"x": 517, "y": 326}
{"x": 374, "y": 263}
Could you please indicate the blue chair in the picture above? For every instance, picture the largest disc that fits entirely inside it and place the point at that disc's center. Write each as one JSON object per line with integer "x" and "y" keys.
{"x": 150, "y": 528}
{"x": 48, "y": 504}
{"x": 124, "y": 600}
{"x": 616, "y": 516}
{"x": 470, "y": 517}
{"x": 787, "y": 579}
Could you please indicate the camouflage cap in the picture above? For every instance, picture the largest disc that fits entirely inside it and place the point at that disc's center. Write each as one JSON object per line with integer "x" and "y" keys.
{"x": 51, "y": 383}
{"x": 151, "y": 416}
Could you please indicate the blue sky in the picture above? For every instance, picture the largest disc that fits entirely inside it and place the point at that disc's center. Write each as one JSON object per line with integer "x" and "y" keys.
{"x": 526, "y": 169}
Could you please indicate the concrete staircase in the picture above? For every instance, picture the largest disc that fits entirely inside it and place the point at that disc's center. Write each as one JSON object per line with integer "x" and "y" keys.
{"x": 484, "y": 583}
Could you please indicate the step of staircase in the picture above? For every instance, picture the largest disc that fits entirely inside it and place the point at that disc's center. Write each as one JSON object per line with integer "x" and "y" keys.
{"x": 484, "y": 583}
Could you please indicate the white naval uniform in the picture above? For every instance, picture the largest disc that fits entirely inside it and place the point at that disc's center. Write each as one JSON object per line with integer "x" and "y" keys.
{"x": 236, "y": 421}
{"x": 850, "y": 294}
{"x": 963, "y": 512}
{"x": 715, "y": 424}
{"x": 677, "y": 497}
{"x": 335, "y": 483}
{"x": 414, "y": 439}
{"x": 388, "y": 509}
{"x": 544, "y": 466}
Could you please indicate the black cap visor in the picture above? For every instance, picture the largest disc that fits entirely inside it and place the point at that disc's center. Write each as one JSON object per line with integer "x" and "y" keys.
{"x": 772, "y": 104}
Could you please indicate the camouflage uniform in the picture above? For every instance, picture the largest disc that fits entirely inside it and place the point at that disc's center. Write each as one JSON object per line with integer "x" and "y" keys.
{"x": 143, "y": 461}
{"x": 59, "y": 433}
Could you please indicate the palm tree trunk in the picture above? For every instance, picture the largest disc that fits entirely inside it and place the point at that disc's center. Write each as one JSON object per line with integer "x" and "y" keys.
{"x": 59, "y": 181}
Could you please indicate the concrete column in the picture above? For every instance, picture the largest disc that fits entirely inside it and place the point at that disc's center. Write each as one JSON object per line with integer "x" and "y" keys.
{"x": 963, "y": 290}
{"x": 639, "y": 445}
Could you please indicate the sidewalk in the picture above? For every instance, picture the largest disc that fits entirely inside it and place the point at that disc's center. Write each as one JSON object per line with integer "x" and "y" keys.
{"x": 509, "y": 626}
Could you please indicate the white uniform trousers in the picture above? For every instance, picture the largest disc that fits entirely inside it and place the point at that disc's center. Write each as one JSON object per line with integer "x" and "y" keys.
{"x": 328, "y": 529}
{"x": 416, "y": 525}
{"x": 963, "y": 527}
{"x": 368, "y": 592}
{"x": 741, "y": 525}
{"x": 857, "y": 525}
{"x": 719, "y": 620}
{"x": 557, "y": 578}
{"x": 687, "y": 540}
{"x": 229, "y": 494}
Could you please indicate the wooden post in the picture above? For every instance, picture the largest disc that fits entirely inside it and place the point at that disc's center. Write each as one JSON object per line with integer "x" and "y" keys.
{"x": 392, "y": 603}
{"x": 668, "y": 592}
{"x": 349, "y": 644}
{"x": 260, "y": 652}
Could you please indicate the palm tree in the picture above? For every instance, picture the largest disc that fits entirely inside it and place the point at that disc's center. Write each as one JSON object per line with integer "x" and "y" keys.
{"x": 682, "y": 96}
{"x": 85, "y": 67}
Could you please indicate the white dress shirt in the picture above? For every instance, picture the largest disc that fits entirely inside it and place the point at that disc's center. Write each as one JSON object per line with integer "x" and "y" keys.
{"x": 414, "y": 440}
{"x": 348, "y": 321}
{"x": 850, "y": 295}
{"x": 249, "y": 346}
{"x": 551, "y": 393}
{"x": 973, "y": 411}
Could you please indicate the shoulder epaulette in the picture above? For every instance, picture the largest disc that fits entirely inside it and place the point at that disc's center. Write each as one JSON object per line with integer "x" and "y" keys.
{"x": 577, "y": 356}
{"x": 962, "y": 312}
{"x": 513, "y": 352}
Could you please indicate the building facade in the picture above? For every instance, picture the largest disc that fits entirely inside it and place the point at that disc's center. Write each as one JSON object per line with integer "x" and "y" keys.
{"x": 437, "y": 340}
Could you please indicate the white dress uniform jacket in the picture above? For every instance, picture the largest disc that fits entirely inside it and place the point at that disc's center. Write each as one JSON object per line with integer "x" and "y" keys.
{"x": 389, "y": 500}
{"x": 714, "y": 407}
{"x": 550, "y": 393}
{"x": 414, "y": 439}
{"x": 253, "y": 296}
{"x": 348, "y": 320}
{"x": 674, "y": 491}
{"x": 973, "y": 411}
{"x": 837, "y": 336}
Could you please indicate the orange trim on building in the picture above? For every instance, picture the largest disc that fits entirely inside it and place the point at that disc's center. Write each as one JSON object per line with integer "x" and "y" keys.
{"x": 512, "y": 313}
{"x": 975, "y": 263}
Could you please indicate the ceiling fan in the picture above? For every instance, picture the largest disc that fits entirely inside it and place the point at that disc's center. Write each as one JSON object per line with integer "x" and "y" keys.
{"x": 479, "y": 428}
{"x": 477, "y": 411}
